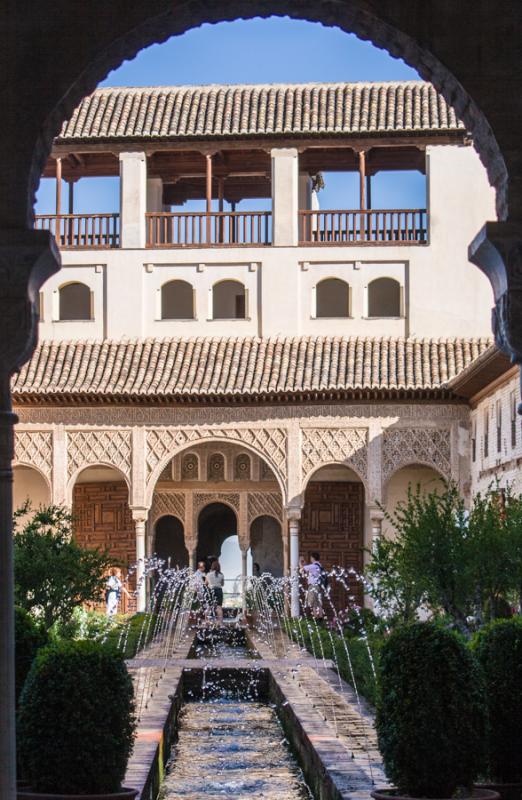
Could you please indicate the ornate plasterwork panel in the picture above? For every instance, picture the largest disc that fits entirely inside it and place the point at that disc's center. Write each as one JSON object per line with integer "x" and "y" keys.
{"x": 403, "y": 446}
{"x": 190, "y": 467}
{"x": 85, "y": 448}
{"x": 242, "y": 467}
{"x": 202, "y": 499}
{"x": 35, "y": 448}
{"x": 264, "y": 504}
{"x": 335, "y": 445}
{"x": 172, "y": 503}
{"x": 270, "y": 443}
{"x": 216, "y": 467}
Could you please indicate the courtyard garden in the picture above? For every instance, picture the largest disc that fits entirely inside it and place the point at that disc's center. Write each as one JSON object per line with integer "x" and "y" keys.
{"x": 439, "y": 656}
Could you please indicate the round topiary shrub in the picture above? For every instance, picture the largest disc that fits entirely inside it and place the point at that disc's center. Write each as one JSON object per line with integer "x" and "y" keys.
{"x": 430, "y": 711}
{"x": 498, "y": 647}
{"x": 29, "y": 637}
{"x": 76, "y": 719}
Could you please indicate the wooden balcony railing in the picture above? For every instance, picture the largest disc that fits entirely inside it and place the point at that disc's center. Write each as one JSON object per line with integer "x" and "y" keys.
{"x": 217, "y": 229}
{"x": 82, "y": 230}
{"x": 398, "y": 226}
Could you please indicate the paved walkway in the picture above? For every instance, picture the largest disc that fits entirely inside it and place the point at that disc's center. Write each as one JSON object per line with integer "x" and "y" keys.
{"x": 312, "y": 698}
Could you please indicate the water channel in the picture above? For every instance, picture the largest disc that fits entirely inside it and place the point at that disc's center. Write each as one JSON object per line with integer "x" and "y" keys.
{"x": 232, "y": 748}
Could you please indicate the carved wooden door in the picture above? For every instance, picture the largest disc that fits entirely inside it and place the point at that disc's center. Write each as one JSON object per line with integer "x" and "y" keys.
{"x": 333, "y": 524}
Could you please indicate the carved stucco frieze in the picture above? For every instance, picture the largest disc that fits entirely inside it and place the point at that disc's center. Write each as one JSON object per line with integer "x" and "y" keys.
{"x": 91, "y": 447}
{"x": 270, "y": 443}
{"x": 202, "y": 499}
{"x": 349, "y": 446}
{"x": 405, "y": 446}
{"x": 264, "y": 504}
{"x": 168, "y": 503}
{"x": 35, "y": 448}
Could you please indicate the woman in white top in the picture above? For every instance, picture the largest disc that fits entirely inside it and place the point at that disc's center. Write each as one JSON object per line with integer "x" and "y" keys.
{"x": 215, "y": 581}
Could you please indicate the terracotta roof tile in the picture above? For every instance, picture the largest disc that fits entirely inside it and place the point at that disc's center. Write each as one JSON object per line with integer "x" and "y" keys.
{"x": 181, "y": 112}
{"x": 222, "y": 367}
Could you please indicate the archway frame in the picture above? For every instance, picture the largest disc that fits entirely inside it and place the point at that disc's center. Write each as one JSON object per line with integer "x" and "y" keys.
{"x": 144, "y": 29}
{"x": 191, "y": 446}
{"x": 72, "y": 480}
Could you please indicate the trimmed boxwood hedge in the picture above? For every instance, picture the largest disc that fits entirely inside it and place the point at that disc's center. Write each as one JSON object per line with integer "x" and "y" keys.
{"x": 29, "y": 637}
{"x": 76, "y": 719}
{"x": 430, "y": 711}
{"x": 498, "y": 647}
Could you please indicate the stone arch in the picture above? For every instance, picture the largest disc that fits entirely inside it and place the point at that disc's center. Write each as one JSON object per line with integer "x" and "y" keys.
{"x": 95, "y": 465}
{"x": 177, "y": 448}
{"x": 265, "y": 533}
{"x": 170, "y": 543}
{"x": 428, "y": 477}
{"x": 324, "y": 465}
{"x": 406, "y": 464}
{"x": 38, "y": 492}
{"x": 136, "y": 30}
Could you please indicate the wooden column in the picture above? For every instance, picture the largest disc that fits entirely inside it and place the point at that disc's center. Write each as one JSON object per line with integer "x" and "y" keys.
{"x": 221, "y": 192}
{"x": 58, "y": 186}
{"x": 362, "y": 180}
{"x": 363, "y": 228}
{"x": 208, "y": 157}
{"x": 71, "y": 197}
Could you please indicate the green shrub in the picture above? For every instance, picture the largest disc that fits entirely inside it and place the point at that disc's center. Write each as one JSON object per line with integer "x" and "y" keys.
{"x": 29, "y": 637}
{"x": 499, "y": 650}
{"x": 430, "y": 711}
{"x": 76, "y": 719}
{"x": 83, "y": 624}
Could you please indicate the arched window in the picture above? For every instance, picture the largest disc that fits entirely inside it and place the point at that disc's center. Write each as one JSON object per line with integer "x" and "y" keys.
{"x": 190, "y": 467}
{"x": 177, "y": 300}
{"x": 242, "y": 467}
{"x": 216, "y": 467}
{"x": 332, "y": 298}
{"x": 384, "y": 298}
{"x": 75, "y": 302}
{"x": 228, "y": 300}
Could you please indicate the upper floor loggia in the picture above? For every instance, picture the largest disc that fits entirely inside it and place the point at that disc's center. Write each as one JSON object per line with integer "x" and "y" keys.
{"x": 231, "y": 146}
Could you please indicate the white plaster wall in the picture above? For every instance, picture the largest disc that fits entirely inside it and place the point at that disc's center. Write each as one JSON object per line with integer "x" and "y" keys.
{"x": 504, "y": 465}
{"x": 444, "y": 295}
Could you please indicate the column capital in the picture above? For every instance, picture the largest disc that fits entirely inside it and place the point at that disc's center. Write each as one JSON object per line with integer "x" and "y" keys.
{"x": 376, "y": 514}
{"x": 293, "y": 513}
{"x": 497, "y": 251}
{"x": 139, "y": 514}
{"x": 27, "y": 259}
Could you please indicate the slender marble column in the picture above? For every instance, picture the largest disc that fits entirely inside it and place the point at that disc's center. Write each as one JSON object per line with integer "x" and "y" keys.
{"x": 293, "y": 524}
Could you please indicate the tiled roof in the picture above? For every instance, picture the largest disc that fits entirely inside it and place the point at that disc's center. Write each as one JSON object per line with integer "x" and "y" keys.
{"x": 242, "y": 367}
{"x": 180, "y": 112}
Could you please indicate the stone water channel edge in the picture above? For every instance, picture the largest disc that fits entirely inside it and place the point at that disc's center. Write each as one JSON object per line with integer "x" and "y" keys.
{"x": 338, "y": 757}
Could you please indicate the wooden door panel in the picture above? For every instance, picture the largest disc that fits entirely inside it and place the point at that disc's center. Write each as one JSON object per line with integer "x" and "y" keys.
{"x": 333, "y": 523}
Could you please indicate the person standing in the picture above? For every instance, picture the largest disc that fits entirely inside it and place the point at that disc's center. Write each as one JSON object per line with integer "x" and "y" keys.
{"x": 215, "y": 581}
{"x": 113, "y": 591}
{"x": 313, "y": 572}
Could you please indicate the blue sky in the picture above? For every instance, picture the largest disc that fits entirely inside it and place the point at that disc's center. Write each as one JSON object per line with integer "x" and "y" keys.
{"x": 276, "y": 50}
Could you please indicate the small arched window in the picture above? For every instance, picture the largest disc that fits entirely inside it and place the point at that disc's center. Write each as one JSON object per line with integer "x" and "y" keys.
{"x": 332, "y": 298}
{"x": 384, "y": 298}
{"x": 74, "y": 302}
{"x": 242, "y": 467}
{"x": 216, "y": 467}
{"x": 177, "y": 300}
{"x": 228, "y": 300}
{"x": 190, "y": 467}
